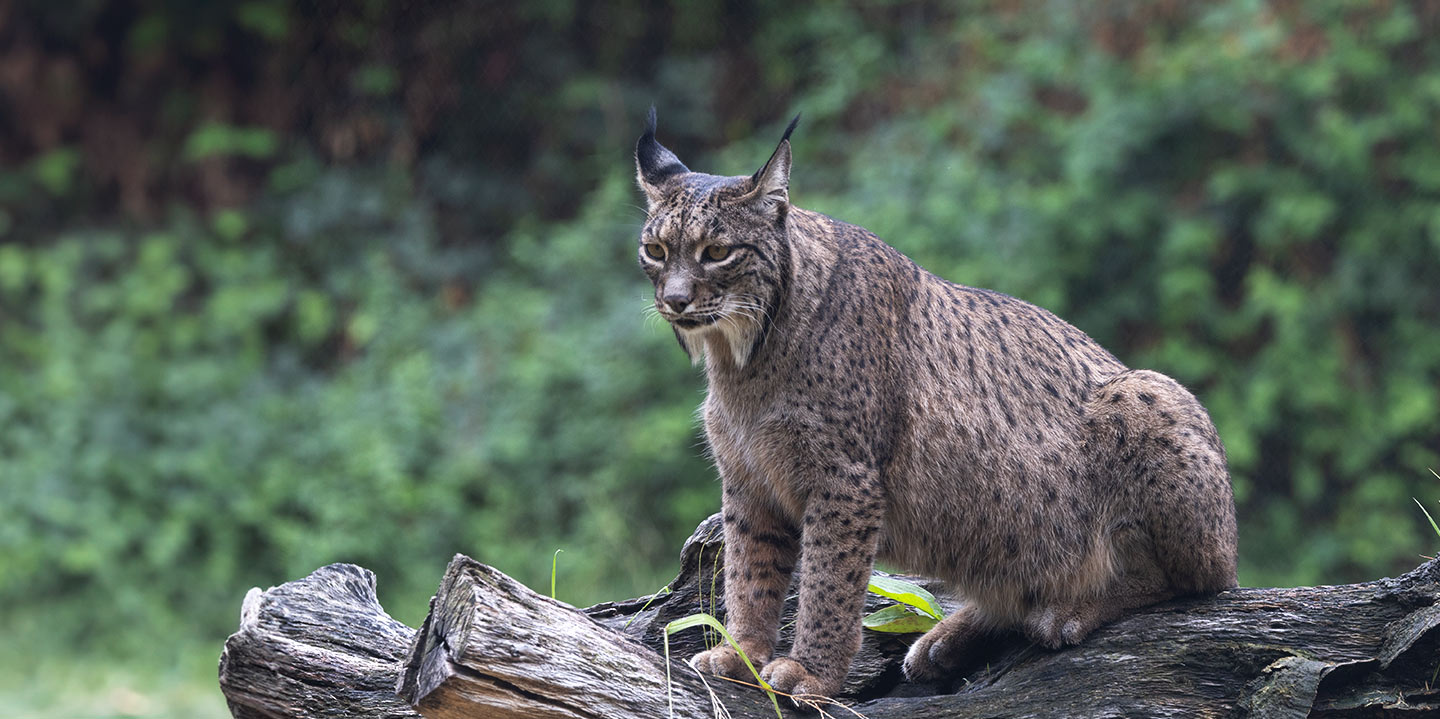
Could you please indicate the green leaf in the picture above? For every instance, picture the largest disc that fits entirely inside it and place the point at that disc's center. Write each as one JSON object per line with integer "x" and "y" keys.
{"x": 148, "y": 33}
{"x": 906, "y": 593}
{"x": 56, "y": 169}
{"x": 230, "y": 224}
{"x": 899, "y": 619}
{"x": 269, "y": 20}
{"x": 214, "y": 139}
{"x": 376, "y": 80}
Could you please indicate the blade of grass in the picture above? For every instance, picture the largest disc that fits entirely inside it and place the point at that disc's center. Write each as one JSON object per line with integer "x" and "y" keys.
{"x": 705, "y": 620}
{"x": 553, "y": 559}
{"x": 664, "y": 591}
{"x": 1433, "y": 525}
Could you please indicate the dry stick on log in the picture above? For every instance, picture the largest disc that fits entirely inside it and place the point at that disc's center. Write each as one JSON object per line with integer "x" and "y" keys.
{"x": 322, "y": 647}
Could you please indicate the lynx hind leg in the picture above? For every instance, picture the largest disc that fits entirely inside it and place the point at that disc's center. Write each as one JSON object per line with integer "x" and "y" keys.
{"x": 1158, "y": 446}
{"x": 1138, "y": 582}
{"x": 949, "y": 648}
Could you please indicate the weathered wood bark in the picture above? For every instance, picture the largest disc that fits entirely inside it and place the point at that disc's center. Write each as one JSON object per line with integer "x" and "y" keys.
{"x": 322, "y": 647}
{"x": 491, "y": 647}
{"x": 319, "y": 647}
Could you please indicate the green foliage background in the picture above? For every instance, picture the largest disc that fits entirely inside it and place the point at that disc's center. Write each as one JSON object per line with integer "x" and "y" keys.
{"x": 288, "y": 285}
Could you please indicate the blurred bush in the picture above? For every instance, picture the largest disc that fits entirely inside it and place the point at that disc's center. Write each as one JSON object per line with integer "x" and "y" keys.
{"x": 393, "y": 314}
{"x": 209, "y": 407}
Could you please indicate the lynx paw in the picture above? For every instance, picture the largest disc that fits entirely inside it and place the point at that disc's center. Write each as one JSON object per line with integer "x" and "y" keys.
{"x": 920, "y": 666}
{"x": 944, "y": 650}
{"x": 1055, "y": 627}
{"x": 791, "y": 677}
{"x": 726, "y": 662}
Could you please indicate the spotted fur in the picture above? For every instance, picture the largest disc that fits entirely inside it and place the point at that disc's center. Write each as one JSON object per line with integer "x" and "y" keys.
{"x": 859, "y": 406}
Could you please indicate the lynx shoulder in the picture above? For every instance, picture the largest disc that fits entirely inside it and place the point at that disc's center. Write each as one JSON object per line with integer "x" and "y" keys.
{"x": 860, "y": 407}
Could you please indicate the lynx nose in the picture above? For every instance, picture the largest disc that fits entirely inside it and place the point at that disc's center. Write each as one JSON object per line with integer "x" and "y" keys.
{"x": 677, "y": 302}
{"x": 677, "y": 296}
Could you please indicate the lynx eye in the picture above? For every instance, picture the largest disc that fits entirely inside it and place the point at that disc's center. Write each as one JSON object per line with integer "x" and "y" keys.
{"x": 655, "y": 250}
{"x": 715, "y": 253}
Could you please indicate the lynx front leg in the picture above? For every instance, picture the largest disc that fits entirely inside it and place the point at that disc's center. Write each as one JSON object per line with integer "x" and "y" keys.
{"x": 838, "y": 544}
{"x": 760, "y": 551}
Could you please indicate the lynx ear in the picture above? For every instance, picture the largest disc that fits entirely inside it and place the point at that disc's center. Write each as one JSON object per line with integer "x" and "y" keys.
{"x": 771, "y": 194}
{"x": 653, "y": 163}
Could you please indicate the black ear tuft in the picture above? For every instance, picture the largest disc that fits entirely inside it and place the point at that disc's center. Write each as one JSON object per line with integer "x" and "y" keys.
{"x": 654, "y": 162}
{"x": 770, "y": 191}
{"x": 783, "y": 139}
{"x": 788, "y": 128}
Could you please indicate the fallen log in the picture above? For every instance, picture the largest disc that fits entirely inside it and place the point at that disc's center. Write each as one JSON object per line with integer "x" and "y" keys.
{"x": 318, "y": 647}
{"x": 323, "y": 647}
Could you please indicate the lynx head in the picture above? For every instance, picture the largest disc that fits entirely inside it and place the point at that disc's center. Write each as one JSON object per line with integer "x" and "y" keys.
{"x": 715, "y": 248}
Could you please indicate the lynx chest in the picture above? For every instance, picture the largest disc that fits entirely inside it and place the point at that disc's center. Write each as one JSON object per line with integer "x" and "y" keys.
{"x": 764, "y": 445}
